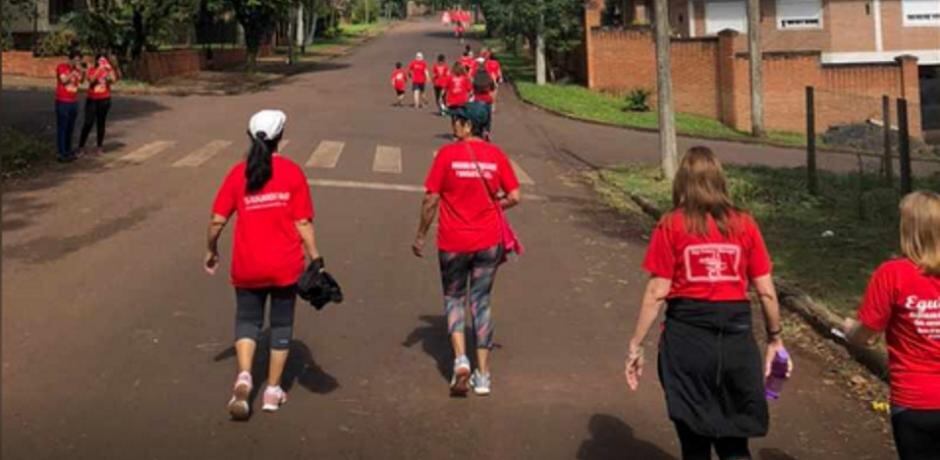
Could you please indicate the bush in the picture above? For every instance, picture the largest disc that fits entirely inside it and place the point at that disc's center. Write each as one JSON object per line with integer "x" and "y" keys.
{"x": 638, "y": 100}
{"x": 19, "y": 152}
{"x": 56, "y": 44}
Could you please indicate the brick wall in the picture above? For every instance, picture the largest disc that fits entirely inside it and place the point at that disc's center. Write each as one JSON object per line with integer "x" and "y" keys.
{"x": 710, "y": 78}
{"x": 23, "y": 63}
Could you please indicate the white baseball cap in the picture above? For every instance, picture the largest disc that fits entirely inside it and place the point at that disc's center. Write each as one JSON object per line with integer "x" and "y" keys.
{"x": 269, "y": 122}
{"x": 419, "y": 56}
{"x": 481, "y": 60}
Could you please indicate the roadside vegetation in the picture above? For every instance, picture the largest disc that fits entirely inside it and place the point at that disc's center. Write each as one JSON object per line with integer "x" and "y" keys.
{"x": 20, "y": 152}
{"x": 827, "y": 245}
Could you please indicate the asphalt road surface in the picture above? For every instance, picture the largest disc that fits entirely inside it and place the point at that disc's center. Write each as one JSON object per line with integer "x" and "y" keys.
{"x": 117, "y": 345}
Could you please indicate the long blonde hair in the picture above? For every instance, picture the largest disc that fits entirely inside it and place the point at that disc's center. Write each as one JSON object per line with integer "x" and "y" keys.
{"x": 920, "y": 230}
{"x": 700, "y": 190}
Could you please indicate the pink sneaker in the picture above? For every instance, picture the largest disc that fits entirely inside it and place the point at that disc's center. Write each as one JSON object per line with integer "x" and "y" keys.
{"x": 238, "y": 406}
{"x": 274, "y": 398}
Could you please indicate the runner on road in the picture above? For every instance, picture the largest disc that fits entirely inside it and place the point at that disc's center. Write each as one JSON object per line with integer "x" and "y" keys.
{"x": 458, "y": 89}
{"x": 69, "y": 76}
{"x": 98, "y": 101}
{"x": 484, "y": 89}
{"x": 400, "y": 83}
{"x": 494, "y": 68}
{"x": 270, "y": 195}
{"x": 467, "y": 181}
{"x": 419, "y": 78}
{"x": 701, "y": 257}
{"x": 468, "y": 62}
{"x": 441, "y": 74}
{"x": 903, "y": 301}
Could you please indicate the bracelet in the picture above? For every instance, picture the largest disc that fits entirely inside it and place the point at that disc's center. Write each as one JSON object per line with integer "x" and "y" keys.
{"x": 771, "y": 334}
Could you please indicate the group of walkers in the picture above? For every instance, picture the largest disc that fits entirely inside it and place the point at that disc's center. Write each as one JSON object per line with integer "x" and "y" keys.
{"x": 70, "y": 76}
{"x": 703, "y": 257}
{"x": 468, "y": 79}
{"x": 459, "y": 19}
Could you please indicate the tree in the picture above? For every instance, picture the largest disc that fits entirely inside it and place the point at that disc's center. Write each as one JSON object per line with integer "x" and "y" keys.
{"x": 755, "y": 62}
{"x": 13, "y": 10}
{"x": 258, "y": 18}
{"x": 667, "y": 119}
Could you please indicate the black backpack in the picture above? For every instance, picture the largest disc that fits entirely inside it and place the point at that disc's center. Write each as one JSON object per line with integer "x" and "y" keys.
{"x": 482, "y": 82}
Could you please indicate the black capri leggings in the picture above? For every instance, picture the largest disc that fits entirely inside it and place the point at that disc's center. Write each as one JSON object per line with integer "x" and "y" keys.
{"x": 249, "y": 314}
{"x": 916, "y": 433}
{"x": 96, "y": 114}
{"x": 697, "y": 447}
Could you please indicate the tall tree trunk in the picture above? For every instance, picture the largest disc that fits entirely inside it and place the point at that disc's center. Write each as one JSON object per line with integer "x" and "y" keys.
{"x": 300, "y": 25}
{"x": 667, "y": 127}
{"x": 540, "y": 46}
{"x": 755, "y": 63}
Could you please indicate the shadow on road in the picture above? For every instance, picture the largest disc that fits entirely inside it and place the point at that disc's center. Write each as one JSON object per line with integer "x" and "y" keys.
{"x": 611, "y": 439}
{"x": 301, "y": 368}
{"x": 434, "y": 341}
{"x": 774, "y": 454}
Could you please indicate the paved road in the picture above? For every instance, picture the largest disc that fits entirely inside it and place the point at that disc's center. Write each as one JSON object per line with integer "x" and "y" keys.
{"x": 116, "y": 345}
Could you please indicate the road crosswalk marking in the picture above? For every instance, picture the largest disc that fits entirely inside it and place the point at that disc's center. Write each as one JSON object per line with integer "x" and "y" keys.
{"x": 202, "y": 154}
{"x": 144, "y": 152}
{"x": 326, "y": 155}
{"x": 387, "y": 160}
{"x": 523, "y": 176}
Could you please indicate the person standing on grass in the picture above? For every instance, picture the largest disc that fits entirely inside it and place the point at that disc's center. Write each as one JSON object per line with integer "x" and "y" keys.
{"x": 440, "y": 75}
{"x": 701, "y": 258}
{"x": 419, "y": 78}
{"x": 270, "y": 195}
{"x": 903, "y": 302}
{"x": 458, "y": 89}
{"x": 69, "y": 76}
{"x": 98, "y": 100}
{"x": 400, "y": 83}
{"x": 467, "y": 181}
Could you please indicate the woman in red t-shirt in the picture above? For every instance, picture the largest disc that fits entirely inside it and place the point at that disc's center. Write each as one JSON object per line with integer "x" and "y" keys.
{"x": 701, "y": 257}
{"x": 98, "y": 101}
{"x": 441, "y": 74}
{"x": 68, "y": 76}
{"x": 471, "y": 181}
{"x": 903, "y": 301}
{"x": 271, "y": 197}
{"x": 458, "y": 89}
{"x": 400, "y": 83}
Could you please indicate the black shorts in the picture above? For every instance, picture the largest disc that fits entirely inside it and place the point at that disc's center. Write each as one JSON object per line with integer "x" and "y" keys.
{"x": 418, "y": 87}
{"x": 400, "y": 92}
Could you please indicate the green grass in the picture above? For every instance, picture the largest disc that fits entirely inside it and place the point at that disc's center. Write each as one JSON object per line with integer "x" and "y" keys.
{"x": 861, "y": 212}
{"x": 20, "y": 152}
{"x": 579, "y": 102}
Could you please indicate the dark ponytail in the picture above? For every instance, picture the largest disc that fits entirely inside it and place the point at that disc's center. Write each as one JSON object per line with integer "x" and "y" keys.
{"x": 258, "y": 168}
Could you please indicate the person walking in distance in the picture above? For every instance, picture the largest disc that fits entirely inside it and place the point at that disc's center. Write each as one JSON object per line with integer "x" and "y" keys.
{"x": 69, "y": 76}
{"x": 483, "y": 91}
{"x": 98, "y": 101}
{"x": 903, "y": 301}
{"x": 459, "y": 88}
{"x": 270, "y": 195}
{"x": 419, "y": 78}
{"x": 467, "y": 181}
{"x": 701, "y": 258}
{"x": 440, "y": 75}
{"x": 399, "y": 83}
{"x": 468, "y": 62}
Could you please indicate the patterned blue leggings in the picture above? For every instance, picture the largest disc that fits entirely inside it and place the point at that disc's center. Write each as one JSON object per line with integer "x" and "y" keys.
{"x": 478, "y": 270}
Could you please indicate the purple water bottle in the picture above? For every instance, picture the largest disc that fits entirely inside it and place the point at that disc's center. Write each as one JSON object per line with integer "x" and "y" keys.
{"x": 778, "y": 375}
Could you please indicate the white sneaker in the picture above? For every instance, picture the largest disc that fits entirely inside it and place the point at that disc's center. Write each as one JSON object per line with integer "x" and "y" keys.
{"x": 238, "y": 406}
{"x": 274, "y": 398}
{"x": 480, "y": 383}
{"x": 459, "y": 382}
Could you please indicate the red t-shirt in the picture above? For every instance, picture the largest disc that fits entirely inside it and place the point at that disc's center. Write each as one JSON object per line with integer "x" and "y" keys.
{"x": 468, "y": 218}
{"x": 399, "y": 79}
{"x": 710, "y": 267}
{"x": 905, "y": 303}
{"x": 485, "y": 96}
{"x": 458, "y": 91}
{"x": 98, "y": 87}
{"x": 470, "y": 64}
{"x": 494, "y": 69}
{"x": 441, "y": 73}
{"x": 419, "y": 71}
{"x": 267, "y": 249}
{"x": 66, "y": 92}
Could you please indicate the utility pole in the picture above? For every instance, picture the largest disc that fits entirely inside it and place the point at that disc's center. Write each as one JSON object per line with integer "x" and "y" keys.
{"x": 540, "y": 46}
{"x": 756, "y": 61}
{"x": 667, "y": 118}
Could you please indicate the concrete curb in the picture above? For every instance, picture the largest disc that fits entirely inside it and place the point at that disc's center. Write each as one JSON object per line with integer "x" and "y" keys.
{"x": 747, "y": 141}
{"x": 818, "y": 316}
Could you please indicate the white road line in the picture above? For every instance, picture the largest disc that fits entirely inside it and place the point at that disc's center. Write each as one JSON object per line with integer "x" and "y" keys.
{"x": 387, "y": 187}
{"x": 326, "y": 155}
{"x": 146, "y": 151}
{"x": 523, "y": 176}
{"x": 387, "y": 160}
{"x": 201, "y": 155}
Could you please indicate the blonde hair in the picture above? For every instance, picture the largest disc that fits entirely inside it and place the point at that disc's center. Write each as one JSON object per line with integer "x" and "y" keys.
{"x": 700, "y": 191}
{"x": 920, "y": 230}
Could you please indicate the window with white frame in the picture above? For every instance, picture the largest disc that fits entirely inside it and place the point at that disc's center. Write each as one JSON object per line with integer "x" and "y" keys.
{"x": 799, "y": 14}
{"x": 921, "y": 12}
